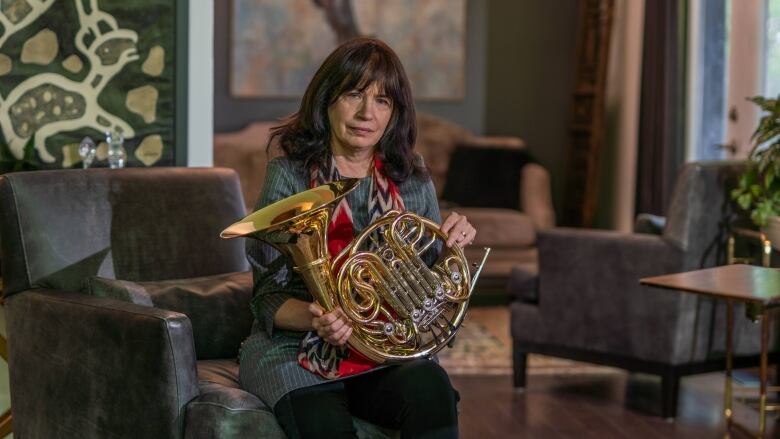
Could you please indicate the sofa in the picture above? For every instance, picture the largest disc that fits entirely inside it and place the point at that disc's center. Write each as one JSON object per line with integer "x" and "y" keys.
{"x": 124, "y": 309}
{"x": 586, "y": 303}
{"x": 510, "y": 231}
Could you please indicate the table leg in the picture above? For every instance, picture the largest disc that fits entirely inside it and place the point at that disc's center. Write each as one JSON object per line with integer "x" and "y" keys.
{"x": 727, "y": 400}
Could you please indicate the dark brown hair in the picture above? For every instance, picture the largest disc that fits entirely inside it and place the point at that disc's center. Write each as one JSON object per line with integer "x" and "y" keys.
{"x": 355, "y": 65}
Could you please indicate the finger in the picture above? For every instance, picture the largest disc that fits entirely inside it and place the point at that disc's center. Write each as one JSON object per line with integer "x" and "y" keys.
{"x": 467, "y": 229}
{"x": 329, "y": 318}
{"x": 341, "y": 332}
{"x": 459, "y": 231}
{"x": 334, "y": 337}
{"x": 449, "y": 222}
{"x": 336, "y": 326}
{"x": 340, "y": 314}
{"x": 468, "y": 237}
{"x": 457, "y": 235}
{"x": 320, "y": 325}
{"x": 315, "y": 309}
{"x": 452, "y": 239}
{"x": 345, "y": 338}
{"x": 330, "y": 323}
{"x": 466, "y": 242}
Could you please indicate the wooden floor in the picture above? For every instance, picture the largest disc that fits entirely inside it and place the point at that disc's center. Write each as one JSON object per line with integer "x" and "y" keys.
{"x": 592, "y": 407}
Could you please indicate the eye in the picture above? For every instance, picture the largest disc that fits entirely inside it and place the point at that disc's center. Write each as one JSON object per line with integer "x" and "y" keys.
{"x": 384, "y": 101}
{"x": 354, "y": 94}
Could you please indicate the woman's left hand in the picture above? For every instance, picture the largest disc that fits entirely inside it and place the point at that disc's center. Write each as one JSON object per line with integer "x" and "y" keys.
{"x": 459, "y": 230}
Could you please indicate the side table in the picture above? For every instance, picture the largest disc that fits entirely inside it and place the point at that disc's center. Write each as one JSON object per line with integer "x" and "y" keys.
{"x": 759, "y": 289}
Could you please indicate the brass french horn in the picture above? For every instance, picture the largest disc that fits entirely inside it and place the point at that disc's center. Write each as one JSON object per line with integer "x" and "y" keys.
{"x": 400, "y": 308}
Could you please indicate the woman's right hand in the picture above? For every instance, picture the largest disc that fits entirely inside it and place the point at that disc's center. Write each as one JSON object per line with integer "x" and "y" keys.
{"x": 333, "y": 327}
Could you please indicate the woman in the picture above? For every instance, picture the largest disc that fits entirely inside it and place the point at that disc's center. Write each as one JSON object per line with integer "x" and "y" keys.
{"x": 356, "y": 120}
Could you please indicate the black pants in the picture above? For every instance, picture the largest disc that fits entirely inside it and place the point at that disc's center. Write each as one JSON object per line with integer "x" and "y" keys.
{"x": 415, "y": 398}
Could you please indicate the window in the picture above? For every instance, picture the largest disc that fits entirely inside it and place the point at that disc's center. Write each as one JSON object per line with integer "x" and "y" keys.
{"x": 734, "y": 53}
{"x": 772, "y": 71}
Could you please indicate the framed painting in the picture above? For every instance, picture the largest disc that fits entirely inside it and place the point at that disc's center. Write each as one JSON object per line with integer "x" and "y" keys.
{"x": 76, "y": 68}
{"x": 276, "y": 45}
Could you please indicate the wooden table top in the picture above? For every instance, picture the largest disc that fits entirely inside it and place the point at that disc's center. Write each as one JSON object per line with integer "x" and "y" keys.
{"x": 746, "y": 283}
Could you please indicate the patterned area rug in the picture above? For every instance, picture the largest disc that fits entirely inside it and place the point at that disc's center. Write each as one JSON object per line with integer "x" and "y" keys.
{"x": 478, "y": 350}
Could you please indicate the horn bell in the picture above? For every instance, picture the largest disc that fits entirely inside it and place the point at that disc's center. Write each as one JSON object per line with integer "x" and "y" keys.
{"x": 278, "y": 215}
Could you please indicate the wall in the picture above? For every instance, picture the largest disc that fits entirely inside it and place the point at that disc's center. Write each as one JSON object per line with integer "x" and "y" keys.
{"x": 519, "y": 78}
{"x": 233, "y": 113}
{"x": 530, "y": 78}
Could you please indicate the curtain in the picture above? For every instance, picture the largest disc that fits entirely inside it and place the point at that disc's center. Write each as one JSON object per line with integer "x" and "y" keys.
{"x": 661, "y": 148}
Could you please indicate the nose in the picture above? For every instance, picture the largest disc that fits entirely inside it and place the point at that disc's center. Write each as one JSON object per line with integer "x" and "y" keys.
{"x": 365, "y": 110}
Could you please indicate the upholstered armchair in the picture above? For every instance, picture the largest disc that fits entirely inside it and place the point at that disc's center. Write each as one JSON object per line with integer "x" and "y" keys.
{"x": 125, "y": 310}
{"x": 587, "y": 304}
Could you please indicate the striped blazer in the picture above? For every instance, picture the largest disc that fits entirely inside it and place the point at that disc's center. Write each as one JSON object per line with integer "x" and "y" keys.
{"x": 269, "y": 366}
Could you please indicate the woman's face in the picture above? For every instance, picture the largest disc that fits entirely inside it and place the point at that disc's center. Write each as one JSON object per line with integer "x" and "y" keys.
{"x": 359, "y": 119}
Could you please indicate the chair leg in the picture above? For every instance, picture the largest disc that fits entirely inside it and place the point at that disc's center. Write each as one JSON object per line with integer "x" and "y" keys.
{"x": 519, "y": 363}
{"x": 670, "y": 389}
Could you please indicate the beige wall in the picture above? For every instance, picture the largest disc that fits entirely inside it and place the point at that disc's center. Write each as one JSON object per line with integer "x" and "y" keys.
{"x": 530, "y": 78}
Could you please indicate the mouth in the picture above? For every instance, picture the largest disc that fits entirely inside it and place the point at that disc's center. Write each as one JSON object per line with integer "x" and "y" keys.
{"x": 360, "y": 131}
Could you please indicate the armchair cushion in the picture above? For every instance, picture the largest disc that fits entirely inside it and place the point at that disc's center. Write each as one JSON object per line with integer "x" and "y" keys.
{"x": 224, "y": 410}
{"x": 498, "y": 228}
{"x": 209, "y": 301}
{"x": 477, "y": 172}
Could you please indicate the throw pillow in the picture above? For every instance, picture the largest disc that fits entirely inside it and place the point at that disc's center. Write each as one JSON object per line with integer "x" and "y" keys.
{"x": 217, "y": 306}
{"x": 484, "y": 176}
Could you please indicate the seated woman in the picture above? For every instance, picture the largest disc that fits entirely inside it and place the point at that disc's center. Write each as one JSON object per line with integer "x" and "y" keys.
{"x": 356, "y": 120}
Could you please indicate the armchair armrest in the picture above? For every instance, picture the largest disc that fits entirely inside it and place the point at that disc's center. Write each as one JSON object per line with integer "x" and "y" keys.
{"x": 589, "y": 286}
{"x": 117, "y": 369}
{"x": 650, "y": 224}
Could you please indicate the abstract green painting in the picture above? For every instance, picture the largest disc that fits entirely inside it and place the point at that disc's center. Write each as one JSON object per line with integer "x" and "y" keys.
{"x": 76, "y": 68}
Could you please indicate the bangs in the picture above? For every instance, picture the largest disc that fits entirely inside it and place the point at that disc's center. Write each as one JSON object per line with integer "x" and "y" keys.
{"x": 360, "y": 72}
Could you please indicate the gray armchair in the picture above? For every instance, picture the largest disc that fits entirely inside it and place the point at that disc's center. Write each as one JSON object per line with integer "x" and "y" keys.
{"x": 159, "y": 365}
{"x": 587, "y": 304}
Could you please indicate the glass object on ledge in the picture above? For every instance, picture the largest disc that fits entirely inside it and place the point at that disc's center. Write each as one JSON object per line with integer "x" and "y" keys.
{"x": 116, "y": 152}
{"x": 87, "y": 151}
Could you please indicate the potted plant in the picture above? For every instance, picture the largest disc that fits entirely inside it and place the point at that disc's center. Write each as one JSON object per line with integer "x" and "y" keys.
{"x": 758, "y": 190}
